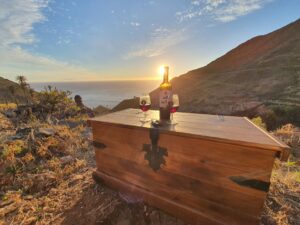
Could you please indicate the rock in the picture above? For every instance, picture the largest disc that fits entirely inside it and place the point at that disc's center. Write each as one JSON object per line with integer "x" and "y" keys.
{"x": 10, "y": 113}
{"x": 15, "y": 137}
{"x": 66, "y": 160}
{"x": 71, "y": 124}
{"x": 83, "y": 109}
{"x": 23, "y": 131}
{"x": 100, "y": 110}
{"x": 46, "y": 132}
{"x": 130, "y": 197}
{"x": 87, "y": 134}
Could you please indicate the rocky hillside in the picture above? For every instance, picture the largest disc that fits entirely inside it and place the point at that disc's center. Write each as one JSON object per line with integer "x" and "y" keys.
{"x": 6, "y": 92}
{"x": 260, "y": 76}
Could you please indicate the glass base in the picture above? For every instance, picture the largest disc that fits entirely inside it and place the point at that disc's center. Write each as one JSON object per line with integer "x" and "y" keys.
{"x": 172, "y": 122}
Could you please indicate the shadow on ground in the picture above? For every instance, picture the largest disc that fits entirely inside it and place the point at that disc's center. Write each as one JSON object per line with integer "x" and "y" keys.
{"x": 102, "y": 206}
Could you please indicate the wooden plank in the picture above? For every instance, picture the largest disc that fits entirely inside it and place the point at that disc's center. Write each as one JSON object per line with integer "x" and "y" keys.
{"x": 232, "y": 129}
{"x": 195, "y": 170}
{"x": 188, "y": 214}
{"x": 216, "y": 171}
{"x": 206, "y": 162}
{"x": 185, "y": 190}
{"x": 190, "y": 149}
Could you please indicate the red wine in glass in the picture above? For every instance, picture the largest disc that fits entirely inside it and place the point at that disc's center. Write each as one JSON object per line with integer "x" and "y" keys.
{"x": 174, "y": 108}
{"x": 145, "y": 104}
{"x": 145, "y": 107}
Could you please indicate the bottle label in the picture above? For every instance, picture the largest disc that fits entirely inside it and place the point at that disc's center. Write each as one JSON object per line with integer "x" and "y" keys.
{"x": 164, "y": 98}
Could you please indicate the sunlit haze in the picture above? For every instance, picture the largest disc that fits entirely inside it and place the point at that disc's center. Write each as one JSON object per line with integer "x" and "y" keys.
{"x": 72, "y": 40}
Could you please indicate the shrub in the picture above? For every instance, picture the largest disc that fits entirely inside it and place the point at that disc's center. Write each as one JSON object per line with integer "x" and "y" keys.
{"x": 259, "y": 122}
{"x": 57, "y": 103}
{"x": 11, "y": 150}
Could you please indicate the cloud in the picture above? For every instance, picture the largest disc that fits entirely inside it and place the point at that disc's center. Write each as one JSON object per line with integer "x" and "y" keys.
{"x": 160, "y": 40}
{"x": 221, "y": 10}
{"x": 135, "y": 24}
{"x": 17, "y": 20}
{"x": 15, "y": 61}
{"x": 195, "y": 2}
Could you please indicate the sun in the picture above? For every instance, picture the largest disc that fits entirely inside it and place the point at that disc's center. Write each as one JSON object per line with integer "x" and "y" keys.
{"x": 162, "y": 70}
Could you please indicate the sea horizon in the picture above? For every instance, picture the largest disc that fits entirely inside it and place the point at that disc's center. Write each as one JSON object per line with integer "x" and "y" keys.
{"x": 105, "y": 93}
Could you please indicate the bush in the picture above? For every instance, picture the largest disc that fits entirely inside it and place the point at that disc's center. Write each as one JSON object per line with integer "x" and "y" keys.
{"x": 57, "y": 103}
{"x": 278, "y": 116}
{"x": 259, "y": 122}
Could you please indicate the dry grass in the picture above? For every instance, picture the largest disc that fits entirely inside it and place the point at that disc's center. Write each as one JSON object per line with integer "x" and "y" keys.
{"x": 47, "y": 180}
{"x": 4, "y": 107}
{"x": 283, "y": 203}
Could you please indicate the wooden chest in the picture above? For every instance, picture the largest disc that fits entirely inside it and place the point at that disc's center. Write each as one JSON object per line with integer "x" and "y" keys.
{"x": 204, "y": 170}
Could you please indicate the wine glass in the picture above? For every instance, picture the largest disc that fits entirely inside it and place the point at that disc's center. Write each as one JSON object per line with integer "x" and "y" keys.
{"x": 145, "y": 104}
{"x": 174, "y": 105}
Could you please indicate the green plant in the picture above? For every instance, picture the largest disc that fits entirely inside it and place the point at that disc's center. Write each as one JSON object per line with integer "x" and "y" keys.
{"x": 13, "y": 169}
{"x": 259, "y": 122}
{"x": 56, "y": 102}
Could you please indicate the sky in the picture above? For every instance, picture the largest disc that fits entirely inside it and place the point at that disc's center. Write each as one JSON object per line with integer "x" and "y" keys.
{"x": 91, "y": 40}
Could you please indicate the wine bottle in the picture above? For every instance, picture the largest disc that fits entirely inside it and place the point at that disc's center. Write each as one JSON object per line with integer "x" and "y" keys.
{"x": 165, "y": 96}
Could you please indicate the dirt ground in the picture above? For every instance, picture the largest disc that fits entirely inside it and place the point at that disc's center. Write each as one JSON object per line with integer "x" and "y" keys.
{"x": 100, "y": 205}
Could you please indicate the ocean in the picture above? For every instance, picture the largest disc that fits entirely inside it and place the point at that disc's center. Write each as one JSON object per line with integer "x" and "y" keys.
{"x": 105, "y": 93}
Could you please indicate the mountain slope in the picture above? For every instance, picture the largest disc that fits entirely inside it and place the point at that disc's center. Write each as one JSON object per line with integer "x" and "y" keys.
{"x": 6, "y": 95}
{"x": 263, "y": 69}
{"x": 253, "y": 78}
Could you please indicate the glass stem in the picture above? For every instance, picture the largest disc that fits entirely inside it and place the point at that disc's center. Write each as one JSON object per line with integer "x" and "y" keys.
{"x": 171, "y": 117}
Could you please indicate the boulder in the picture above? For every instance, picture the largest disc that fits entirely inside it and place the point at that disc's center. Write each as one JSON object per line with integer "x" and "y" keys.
{"x": 10, "y": 113}
{"x": 23, "y": 131}
{"x": 46, "y": 132}
{"x": 71, "y": 124}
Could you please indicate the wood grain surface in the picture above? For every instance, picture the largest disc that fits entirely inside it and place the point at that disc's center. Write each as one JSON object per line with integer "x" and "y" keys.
{"x": 231, "y": 129}
{"x": 215, "y": 171}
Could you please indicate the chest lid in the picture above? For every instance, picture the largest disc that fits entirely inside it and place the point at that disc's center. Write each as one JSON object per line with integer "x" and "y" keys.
{"x": 229, "y": 129}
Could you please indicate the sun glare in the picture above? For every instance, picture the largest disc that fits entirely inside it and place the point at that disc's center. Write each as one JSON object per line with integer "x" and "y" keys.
{"x": 161, "y": 70}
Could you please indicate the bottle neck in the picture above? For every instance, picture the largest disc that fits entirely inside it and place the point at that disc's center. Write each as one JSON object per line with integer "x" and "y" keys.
{"x": 166, "y": 78}
{"x": 166, "y": 75}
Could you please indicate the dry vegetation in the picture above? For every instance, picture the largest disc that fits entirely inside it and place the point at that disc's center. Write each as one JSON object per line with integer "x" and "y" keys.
{"x": 283, "y": 202}
{"x": 46, "y": 164}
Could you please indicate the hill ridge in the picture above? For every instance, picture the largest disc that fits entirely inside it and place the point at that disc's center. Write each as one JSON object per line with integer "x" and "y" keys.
{"x": 255, "y": 78}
